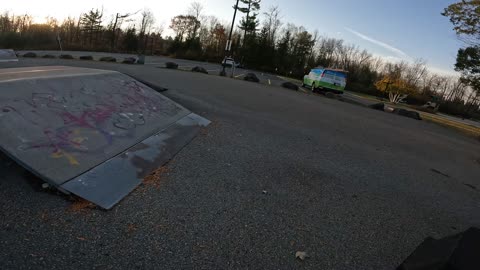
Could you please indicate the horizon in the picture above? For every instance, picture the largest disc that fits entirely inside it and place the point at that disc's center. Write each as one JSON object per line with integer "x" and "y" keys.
{"x": 430, "y": 36}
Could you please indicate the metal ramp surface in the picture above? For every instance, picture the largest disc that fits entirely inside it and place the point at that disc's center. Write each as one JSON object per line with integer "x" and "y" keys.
{"x": 94, "y": 133}
{"x": 8, "y": 55}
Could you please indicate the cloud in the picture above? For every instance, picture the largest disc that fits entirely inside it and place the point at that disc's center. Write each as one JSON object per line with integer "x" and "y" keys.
{"x": 445, "y": 72}
{"x": 384, "y": 45}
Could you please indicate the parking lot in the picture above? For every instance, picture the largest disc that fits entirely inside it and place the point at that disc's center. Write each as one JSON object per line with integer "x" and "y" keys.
{"x": 276, "y": 172}
{"x": 159, "y": 61}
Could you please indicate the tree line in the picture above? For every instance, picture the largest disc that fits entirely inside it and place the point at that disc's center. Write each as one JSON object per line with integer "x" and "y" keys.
{"x": 261, "y": 40}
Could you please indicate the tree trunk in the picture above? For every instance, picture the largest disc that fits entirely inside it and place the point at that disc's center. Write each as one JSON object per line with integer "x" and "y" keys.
{"x": 246, "y": 26}
{"x": 114, "y": 30}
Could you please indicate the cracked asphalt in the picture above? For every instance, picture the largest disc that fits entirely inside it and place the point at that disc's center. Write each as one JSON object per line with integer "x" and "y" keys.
{"x": 276, "y": 172}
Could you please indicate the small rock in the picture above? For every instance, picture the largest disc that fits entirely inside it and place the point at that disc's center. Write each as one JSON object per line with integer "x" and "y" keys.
{"x": 171, "y": 65}
{"x": 389, "y": 109}
{"x": 66, "y": 56}
{"x": 108, "y": 59}
{"x": 200, "y": 70}
{"x": 378, "y": 106}
{"x": 30, "y": 54}
{"x": 330, "y": 95}
{"x": 251, "y": 77}
{"x": 407, "y": 113}
{"x": 290, "y": 85}
{"x": 45, "y": 185}
{"x": 86, "y": 57}
{"x": 129, "y": 60}
{"x": 301, "y": 255}
{"x": 264, "y": 192}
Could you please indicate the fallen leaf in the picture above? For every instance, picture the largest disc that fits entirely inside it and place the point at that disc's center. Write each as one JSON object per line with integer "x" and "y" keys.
{"x": 80, "y": 205}
{"x": 154, "y": 178}
{"x": 301, "y": 255}
{"x": 131, "y": 228}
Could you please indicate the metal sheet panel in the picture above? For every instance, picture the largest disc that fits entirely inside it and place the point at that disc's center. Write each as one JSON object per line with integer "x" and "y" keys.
{"x": 106, "y": 184}
{"x": 61, "y": 123}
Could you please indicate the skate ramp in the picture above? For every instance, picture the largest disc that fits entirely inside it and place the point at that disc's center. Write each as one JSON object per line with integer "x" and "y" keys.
{"x": 94, "y": 133}
{"x": 7, "y": 55}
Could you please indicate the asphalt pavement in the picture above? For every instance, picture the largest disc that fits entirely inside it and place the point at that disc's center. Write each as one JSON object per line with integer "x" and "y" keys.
{"x": 276, "y": 172}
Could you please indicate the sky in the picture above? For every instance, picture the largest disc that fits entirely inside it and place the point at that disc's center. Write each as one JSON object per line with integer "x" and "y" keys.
{"x": 393, "y": 29}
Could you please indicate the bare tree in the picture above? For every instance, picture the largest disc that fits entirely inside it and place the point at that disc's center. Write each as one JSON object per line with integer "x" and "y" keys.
{"x": 195, "y": 10}
{"x": 117, "y": 23}
{"x": 457, "y": 91}
{"x": 272, "y": 23}
{"x": 414, "y": 72}
{"x": 184, "y": 25}
{"x": 146, "y": 24}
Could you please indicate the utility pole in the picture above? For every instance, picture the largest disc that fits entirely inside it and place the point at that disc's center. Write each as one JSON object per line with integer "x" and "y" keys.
{"x": 228, "y": 47}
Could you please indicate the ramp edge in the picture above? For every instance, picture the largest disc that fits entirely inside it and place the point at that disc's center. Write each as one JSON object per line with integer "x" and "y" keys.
{"x": 108, "y": 183}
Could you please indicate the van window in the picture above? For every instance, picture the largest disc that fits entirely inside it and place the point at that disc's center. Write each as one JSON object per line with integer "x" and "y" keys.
{"x": 317, "y": 72}
{"x": 334, "y": 75}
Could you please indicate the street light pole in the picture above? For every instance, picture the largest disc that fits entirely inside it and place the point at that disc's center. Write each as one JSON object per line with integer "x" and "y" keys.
{"x": 228, "y": 46}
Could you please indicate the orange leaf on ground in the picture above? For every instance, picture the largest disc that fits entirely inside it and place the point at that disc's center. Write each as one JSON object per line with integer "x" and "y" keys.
{"x": 80, "y": 205}
{"x": 154, "y": 179}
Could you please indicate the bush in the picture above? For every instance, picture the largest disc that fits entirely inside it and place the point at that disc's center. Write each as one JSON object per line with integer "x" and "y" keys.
{"x": 30, "y": 55}
{"x": 86, "y": 57}
{"x": 453, "y": 108}
{"x": 49, "y": 56}
{"x": 66, "y": 56}
{"x": 108, "y": 59}
{"x": 171, "y": 65}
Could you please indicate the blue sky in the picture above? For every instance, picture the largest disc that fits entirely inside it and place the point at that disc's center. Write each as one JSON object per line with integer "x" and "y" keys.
{"x": 406, "y": 29}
